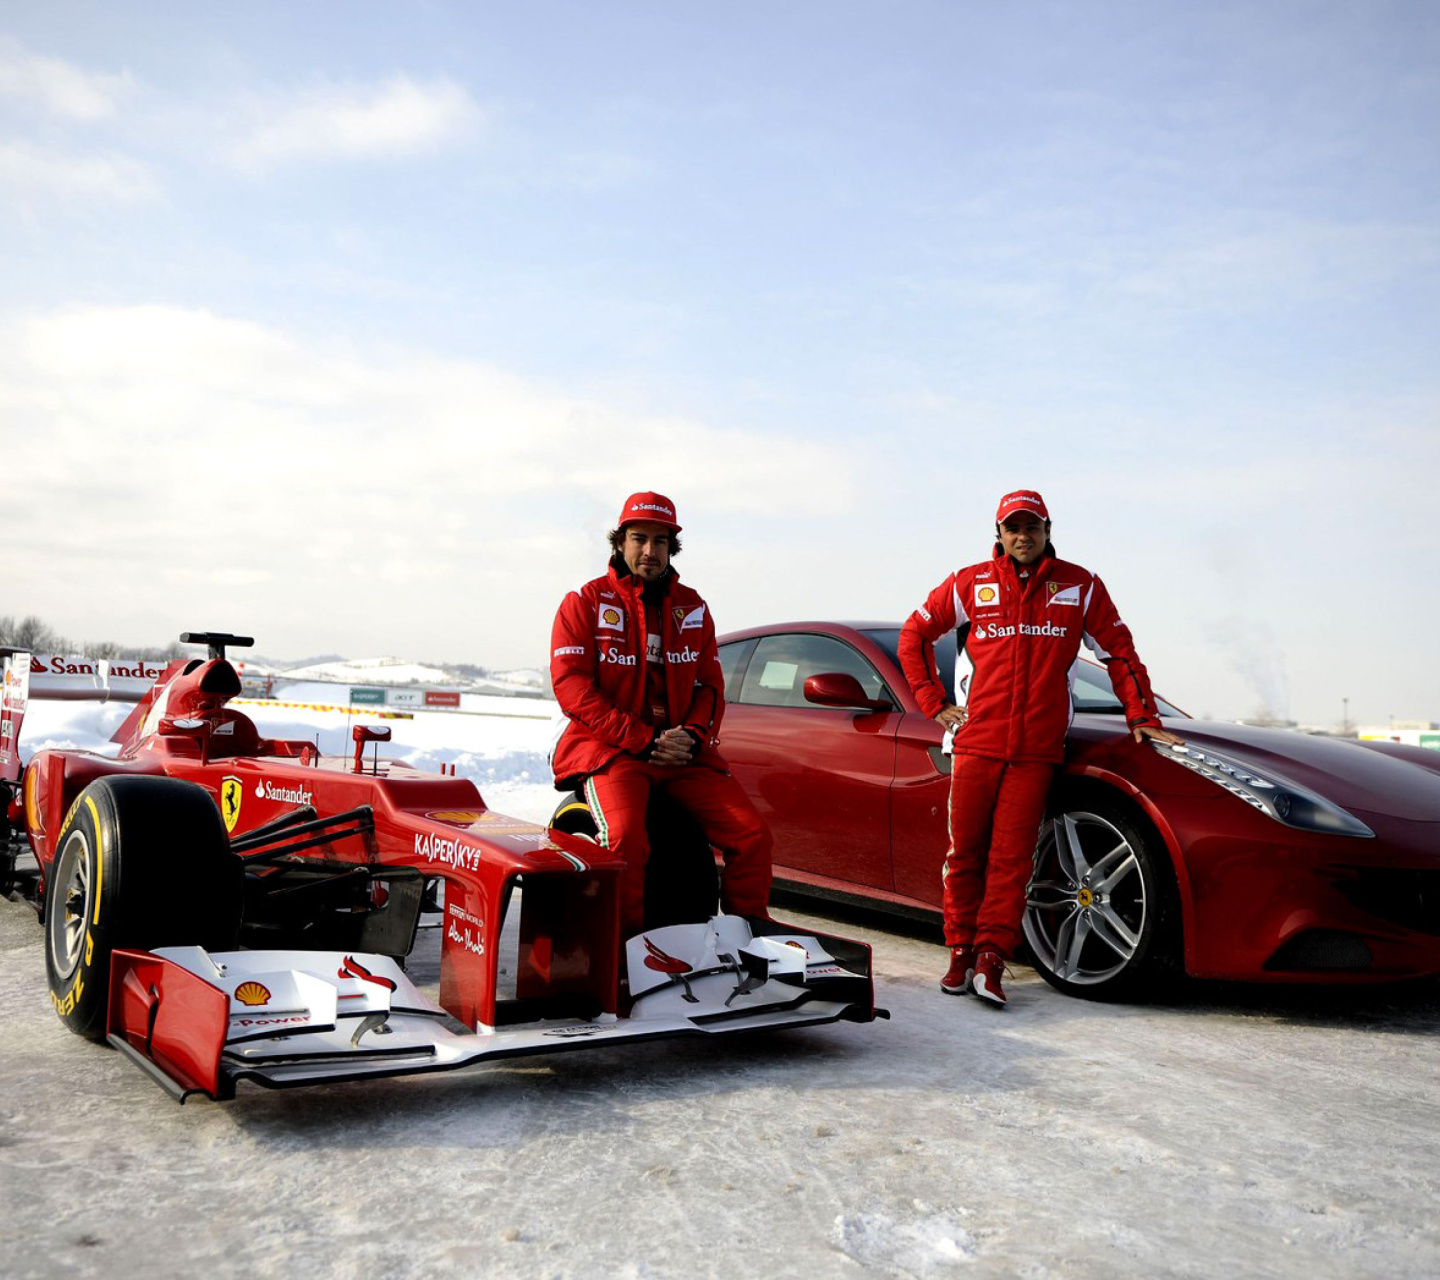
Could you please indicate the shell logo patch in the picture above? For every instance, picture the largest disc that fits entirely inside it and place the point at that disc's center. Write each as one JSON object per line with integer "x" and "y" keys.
{"x": 252, "y": 994}
{"x": 611, "y": 618}
{"x": 232, "y": 793}
{"x": 986, "y": 593}
{"x": 464, "y": 817}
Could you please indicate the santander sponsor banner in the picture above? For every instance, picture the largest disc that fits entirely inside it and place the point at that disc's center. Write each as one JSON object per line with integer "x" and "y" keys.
{"x": 442, "y": 698}
{"x": 71, "y": 676}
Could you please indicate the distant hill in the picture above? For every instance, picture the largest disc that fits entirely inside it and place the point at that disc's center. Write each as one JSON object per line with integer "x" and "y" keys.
{"x": 522, "y": 683}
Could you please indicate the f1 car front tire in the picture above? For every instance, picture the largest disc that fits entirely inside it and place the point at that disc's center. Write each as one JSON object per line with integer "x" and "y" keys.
{"x": 142, "y": 862}
{"x": 1102, "y": 917}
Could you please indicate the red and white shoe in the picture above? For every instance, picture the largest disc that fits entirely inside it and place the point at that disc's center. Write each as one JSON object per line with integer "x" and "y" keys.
{"x": 989, "y": 965}
{"x": 961, "y": 972}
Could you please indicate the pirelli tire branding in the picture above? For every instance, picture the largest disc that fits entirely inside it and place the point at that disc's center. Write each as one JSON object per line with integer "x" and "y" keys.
{"x": 73, "y": 911}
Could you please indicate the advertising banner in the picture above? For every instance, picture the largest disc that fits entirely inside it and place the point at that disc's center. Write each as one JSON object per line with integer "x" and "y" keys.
{"x": 360, "y": 695}
{"x": 442, "y": 698}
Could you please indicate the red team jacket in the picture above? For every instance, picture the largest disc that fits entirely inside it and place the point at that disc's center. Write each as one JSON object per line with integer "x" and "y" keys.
{"x": 1021, "y": 637}
{"x": 597, "y": 665}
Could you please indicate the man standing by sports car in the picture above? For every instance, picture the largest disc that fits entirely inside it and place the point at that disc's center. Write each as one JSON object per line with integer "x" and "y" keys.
{"x": 1019, "y": 620}
{"x": 634, "y": 666}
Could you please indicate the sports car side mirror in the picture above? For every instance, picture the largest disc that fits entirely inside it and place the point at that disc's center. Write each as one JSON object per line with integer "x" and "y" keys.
{"x": 840, "y": 689}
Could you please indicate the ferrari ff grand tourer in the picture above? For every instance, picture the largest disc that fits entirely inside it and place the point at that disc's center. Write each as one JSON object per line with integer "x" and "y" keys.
{"x": 1248, "y": 853}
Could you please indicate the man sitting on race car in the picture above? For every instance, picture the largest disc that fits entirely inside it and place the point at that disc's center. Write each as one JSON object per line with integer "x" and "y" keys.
{"x": 635, "y": 670}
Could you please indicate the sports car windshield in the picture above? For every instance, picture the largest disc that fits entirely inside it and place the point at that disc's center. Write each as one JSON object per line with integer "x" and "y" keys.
{"x": 1093, "y": 692}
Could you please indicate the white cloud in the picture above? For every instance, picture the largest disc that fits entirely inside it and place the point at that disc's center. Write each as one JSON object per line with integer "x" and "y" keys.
{"x": 59, "y": 87}
{"x": 399, "y": 117}
{"x": 27, "y": 172}
{"x": 377, "y": 494}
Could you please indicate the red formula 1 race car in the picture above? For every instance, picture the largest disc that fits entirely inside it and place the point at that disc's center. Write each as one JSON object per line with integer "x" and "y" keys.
{"x": 225, "y": 907}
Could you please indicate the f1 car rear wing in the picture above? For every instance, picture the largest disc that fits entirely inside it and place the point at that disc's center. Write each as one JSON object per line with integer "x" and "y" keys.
{"x": 67, "y": 678}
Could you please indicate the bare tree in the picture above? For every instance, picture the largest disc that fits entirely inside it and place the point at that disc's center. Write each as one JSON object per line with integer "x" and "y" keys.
{"x": 30, "y": 633}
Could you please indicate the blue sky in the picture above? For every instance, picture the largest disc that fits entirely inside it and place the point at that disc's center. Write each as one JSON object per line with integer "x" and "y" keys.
{"x": 350, "y": 325}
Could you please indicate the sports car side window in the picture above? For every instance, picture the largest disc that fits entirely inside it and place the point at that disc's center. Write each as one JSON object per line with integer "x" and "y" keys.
{"x": 780, "y": 665}
{"x": 732, "y": 663}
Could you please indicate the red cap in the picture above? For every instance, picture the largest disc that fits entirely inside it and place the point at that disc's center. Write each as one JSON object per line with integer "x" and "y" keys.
{"x": 654, "y": 507}
{"x": 1021, "y": 500}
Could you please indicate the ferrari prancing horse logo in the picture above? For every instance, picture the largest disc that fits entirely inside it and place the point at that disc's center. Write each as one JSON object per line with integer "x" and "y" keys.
{"x": 231, "y": 793}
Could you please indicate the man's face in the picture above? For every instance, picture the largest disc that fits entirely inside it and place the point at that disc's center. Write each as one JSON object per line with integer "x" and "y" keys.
{"x": 646, "y": 550}
{"x": 1024, "y": 536}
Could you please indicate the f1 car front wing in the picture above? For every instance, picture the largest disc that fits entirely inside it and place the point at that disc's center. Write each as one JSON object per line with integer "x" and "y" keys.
{"x": 198, "y": 1023}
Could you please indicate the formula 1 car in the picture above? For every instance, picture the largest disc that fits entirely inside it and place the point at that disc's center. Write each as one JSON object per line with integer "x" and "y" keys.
{"x": 224, "y": 907}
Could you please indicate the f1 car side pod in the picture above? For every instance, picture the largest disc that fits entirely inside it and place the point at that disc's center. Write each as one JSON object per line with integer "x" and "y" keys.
{"x": 198, "y": 1023}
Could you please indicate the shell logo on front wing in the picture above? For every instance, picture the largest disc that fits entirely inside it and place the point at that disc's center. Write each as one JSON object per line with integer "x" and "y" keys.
{"x": 252, "y": 994}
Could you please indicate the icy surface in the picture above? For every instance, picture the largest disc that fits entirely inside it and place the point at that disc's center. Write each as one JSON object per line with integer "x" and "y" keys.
{"x": 1234, "y": 1132}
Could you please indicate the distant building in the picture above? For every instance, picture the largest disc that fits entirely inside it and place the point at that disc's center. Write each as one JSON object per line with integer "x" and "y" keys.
{"x": 1413, "y": 733}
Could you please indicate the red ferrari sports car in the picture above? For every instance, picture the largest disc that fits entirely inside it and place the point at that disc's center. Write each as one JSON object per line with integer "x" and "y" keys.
{"x": 1254, "y": 854}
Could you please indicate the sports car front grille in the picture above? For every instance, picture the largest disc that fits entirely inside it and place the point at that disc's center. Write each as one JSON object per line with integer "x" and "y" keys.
{"x": 1410, "y": 899}
{"x": 1315, "y": 949}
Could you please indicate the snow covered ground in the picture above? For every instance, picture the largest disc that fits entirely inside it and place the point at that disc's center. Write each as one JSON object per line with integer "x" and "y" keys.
{"x": 1231, "y": 1132}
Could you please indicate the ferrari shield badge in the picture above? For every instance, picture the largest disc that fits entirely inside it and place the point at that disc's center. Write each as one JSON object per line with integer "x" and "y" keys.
{"x": 231, "y": 793}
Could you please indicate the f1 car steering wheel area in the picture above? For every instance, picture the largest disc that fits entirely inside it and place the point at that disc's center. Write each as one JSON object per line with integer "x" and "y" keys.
{"x": 143, "y": 862}
{"x": 1102, "y": 914}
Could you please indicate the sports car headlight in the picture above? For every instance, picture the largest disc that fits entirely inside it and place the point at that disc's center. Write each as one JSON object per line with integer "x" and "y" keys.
{"x": 1286, "y": 802}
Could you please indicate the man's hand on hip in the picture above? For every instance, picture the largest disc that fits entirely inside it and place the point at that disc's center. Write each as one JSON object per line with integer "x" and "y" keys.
{"x": 952, "y": 717}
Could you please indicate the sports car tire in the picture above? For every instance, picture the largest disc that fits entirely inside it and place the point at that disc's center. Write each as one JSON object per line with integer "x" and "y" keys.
{"x": 1102, "y": 914}
{"x": 682, "y": 885}
{"x": 142, "y": 862}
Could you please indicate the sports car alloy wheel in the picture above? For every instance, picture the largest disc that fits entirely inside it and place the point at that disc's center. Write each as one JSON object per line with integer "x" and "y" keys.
{"x": 1098, "y": 908}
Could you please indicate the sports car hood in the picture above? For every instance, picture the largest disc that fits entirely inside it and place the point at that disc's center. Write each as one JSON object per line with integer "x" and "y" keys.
{"x": 1341, "y": 770}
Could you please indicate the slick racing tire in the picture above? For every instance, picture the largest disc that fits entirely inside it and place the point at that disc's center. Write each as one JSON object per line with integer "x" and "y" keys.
{"x": 141, "y": 862}
{"x": 682, "y": 884}
{"x": 1102, "y": 916}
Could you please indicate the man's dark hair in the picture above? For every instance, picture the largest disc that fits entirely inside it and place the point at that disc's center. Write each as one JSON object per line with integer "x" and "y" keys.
{"x": 617, "y": 540}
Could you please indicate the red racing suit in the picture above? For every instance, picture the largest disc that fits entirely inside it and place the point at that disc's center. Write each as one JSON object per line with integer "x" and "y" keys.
{"x": 601, "y": 649}
{"x": 1020, "y": 632}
